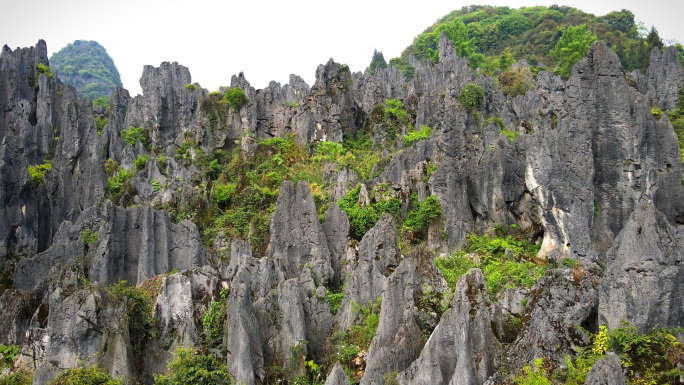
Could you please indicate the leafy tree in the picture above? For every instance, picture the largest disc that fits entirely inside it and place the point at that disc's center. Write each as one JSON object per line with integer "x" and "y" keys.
{"x": 571, "y": 47}
{"x": 378, "y": 61}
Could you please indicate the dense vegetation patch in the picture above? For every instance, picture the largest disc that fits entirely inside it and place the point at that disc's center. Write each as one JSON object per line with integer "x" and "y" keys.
{"x": 506, "y": 260}
{"x": 134, "y": 134}
{"x": 243, "y": 190}
{"x": 86, "y": 66}
{"x": 364, "y": 216}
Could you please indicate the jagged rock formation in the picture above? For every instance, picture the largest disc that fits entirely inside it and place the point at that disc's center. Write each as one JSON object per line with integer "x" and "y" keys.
{"x": 592, "y": 176}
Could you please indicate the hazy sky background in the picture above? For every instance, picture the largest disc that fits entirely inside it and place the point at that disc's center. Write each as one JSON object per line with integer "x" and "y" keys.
{"x": 267, "y": 40}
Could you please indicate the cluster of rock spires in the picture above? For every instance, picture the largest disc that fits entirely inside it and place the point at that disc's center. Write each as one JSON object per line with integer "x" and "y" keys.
{"x": 593, "y": 175}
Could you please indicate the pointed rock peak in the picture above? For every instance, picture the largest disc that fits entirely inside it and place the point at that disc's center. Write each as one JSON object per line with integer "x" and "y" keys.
{"x": 296, "y": 235}
{"x": 604, "y": 61}
{"x": 297, "y": 82}
{"x": 156, "y": 78}
{"x": 671, "y": 57}
{"x": 446, "y": 48}
{"x": 337, "y": 376}
{"x": 240, "y": 81}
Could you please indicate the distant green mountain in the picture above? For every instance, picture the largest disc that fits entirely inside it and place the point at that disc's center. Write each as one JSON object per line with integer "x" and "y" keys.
{"x": 494, "y": 37}
{"x": 86, "y": 66}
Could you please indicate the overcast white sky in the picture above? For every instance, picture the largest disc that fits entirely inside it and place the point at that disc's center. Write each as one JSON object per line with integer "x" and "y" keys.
{"x": 267, "y": 40}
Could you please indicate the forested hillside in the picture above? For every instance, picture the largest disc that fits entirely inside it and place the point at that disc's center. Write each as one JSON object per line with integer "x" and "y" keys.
{"x": 86, "y": 66}
{"x": 495, "y": 37}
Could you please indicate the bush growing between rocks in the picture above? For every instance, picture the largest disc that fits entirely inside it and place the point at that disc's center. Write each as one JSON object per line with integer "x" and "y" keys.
{"x": 141, "y": 161}
{"x": 236, "y": 97}
{"x": 471, "y": 97}
{"x": 133, "y": 134}
{"x": 191, "y": 366}
{"x": 414, "y": 136}
{"x": 90, "y": 375}
{"x": 37, "y": 172}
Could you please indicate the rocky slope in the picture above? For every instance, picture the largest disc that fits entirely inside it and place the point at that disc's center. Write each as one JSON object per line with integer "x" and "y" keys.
{"x": 592, "y": 176}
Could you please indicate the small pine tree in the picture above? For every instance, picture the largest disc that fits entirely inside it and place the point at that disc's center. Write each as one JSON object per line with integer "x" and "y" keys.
{"x": 378, "y": 61}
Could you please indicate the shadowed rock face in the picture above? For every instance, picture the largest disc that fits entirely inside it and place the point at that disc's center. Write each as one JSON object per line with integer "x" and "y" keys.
{"x": 592, "y": 176}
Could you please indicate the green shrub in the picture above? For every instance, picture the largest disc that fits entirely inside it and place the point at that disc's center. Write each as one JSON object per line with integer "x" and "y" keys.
{"x": 656, "y": 112}
{"x": 101, "y": 101}
{"x": 133, "y": 134}
{"x": 511, "y": 134}
{"x": 363, "y": 331}
{"x": 335, "y": 300}
{"x": 471, "y": 97}
{"x": 213, "y": 322}
{"x": 348, "y": 344}
{"x": 91, "y": 375}
{"x": 223, "y": 192}
{"x": 156, "y": 185}
{"x": 191, "y": 366}
{"x": 37, "y": 172}
{"x": 141, "y": 161}
{"x": 111, "y": 166}
{"x": 414, "y": 136}
{"x": 43, "y": 69}
{"x": 114, "y": 183}
{"x": 514, "y": 82}
{"x": 161, "y": 161}
{"x": 100, "y": 123}
{"x": 236, "y": 97}
{"x": 89, "y": 236}
{"x": 535, "y": 375}
{"x": 422, "y": 213}
{"x": 394, "y": 117}
{"x": 292, "y": 104}
{"x": 191, "y": 87}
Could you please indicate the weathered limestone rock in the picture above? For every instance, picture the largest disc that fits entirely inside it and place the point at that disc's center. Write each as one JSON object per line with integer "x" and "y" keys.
{"x": 377, "y": 258}
{"x": 643, "y": 281}
{"x": 399, "y": 340}
{"x": 337, "y": 376}
{"x": 606, "y": 371}
{"x": 336, "y": 230}
{"x": 297, "y": 239}
{"x": 88, "y": 325}
{"x": 559, "y": 302}
{"x": 463, "y": 348}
